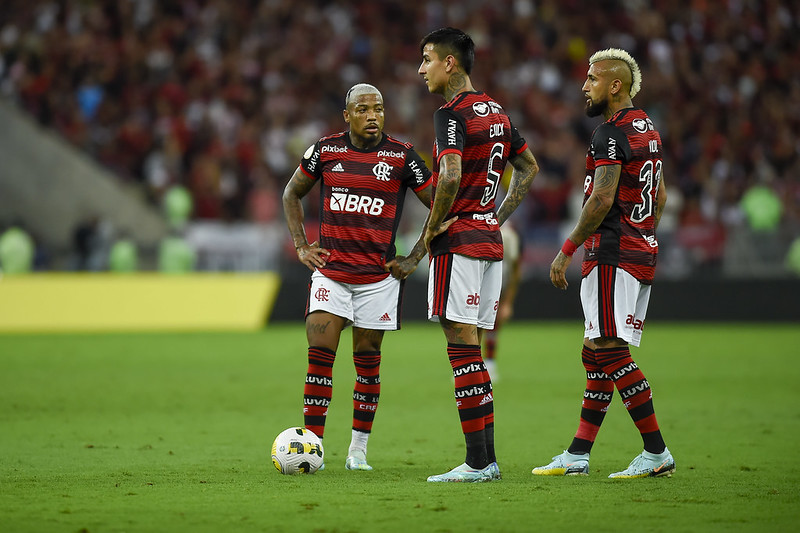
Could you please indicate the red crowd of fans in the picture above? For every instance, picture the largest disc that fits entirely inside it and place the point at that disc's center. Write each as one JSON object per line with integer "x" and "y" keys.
{"x": 223, "y": 97}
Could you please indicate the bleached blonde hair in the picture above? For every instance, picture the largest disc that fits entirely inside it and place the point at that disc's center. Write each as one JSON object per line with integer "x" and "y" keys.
{"x": 359, "y": 89}
{"x": 621, "y": 55}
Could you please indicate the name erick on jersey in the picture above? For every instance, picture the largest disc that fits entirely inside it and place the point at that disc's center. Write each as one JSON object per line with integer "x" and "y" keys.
{"x": 362, "y": 193}
{"x": 626, "y": 237}
{"x": 477, "y": 128}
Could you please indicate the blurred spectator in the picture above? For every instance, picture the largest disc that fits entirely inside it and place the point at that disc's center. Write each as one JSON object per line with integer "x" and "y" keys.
{"x": 793, "y": 257}
{"x": 178, "y": 206}
{"x": 16, "y": 251}
{"x": 176, "y": 256}
{"x": 91, "y": 241}
{"x": 123, "y": 256}
{"x": 762, "y": 207}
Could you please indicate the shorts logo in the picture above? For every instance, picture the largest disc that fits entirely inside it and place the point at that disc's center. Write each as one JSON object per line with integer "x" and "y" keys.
{"x": 382, "y": 170}
{"x": 633, "y": 321}
{"x": 385, "y": 318}
{"x": 473, "y": 299}
{"x": 322, "y": 294}
{"x": 354, "y": 203}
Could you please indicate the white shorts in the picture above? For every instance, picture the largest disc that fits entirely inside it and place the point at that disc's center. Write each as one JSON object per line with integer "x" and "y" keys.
{"x": 614, "y": 304}
{"x": 368, "y": 306}
{"x": 464, "y": 290}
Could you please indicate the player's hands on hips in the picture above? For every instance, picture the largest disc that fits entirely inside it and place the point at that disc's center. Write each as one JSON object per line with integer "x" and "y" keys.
{"x": 312, "y": 256}
{"x": 401, "y": 267}
{"x": 558, "y": 270}
{"x": 430, "y": 234}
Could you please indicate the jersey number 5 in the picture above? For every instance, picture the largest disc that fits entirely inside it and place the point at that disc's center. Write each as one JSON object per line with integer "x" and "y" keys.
{"x": 649, "y": 177}
{"x": 493, "y": 174}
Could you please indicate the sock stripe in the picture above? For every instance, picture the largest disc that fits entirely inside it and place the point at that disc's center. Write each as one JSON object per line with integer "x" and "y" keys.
{"x": 367, "y": 389}
{"x": 442, "y": 267}
{"x": 606, "y": 275}
{"x": 472, "y": 387}
{"x": 318, "y": 388}
{"x": 596, "y": 398}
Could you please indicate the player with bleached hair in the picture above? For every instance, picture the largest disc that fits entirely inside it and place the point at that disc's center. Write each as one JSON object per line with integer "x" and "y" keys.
{"x": 357, "y": 279}
{"x": 624, "y": 196}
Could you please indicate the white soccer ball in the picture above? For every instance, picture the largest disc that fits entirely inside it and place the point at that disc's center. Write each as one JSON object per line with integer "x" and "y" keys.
{"x": 297, "y": 450}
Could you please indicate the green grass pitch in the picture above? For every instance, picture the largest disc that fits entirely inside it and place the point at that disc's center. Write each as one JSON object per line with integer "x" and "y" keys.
{"x": 171, "y": 432}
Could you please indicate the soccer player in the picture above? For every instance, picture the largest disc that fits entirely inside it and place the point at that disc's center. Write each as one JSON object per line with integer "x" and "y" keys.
{"x": 512, "y": 274}
{"x": 357, "y": 278}
{"x": 624, "y": 196}
{"x": 474, "y": 139}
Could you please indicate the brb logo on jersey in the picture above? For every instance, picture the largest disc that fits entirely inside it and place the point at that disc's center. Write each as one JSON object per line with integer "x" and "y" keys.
{"x": 356, "y": 203}
{"x": 382, "y": 170}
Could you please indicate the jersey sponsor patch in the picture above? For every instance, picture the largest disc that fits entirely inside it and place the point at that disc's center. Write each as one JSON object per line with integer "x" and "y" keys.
{"x": 355, "y": 203}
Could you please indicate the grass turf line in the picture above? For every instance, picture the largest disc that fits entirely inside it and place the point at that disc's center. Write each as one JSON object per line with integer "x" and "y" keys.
{"x": 171, "y": 432}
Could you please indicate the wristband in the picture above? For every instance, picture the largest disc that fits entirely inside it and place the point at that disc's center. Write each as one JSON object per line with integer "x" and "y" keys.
{"x": 569, "y": 248}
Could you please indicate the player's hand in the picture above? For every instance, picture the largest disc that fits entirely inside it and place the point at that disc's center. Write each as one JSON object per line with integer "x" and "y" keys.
{"x": 505, "y": 312}
{"x": 558, "y": 270}
{"x": 401, "y": 267}
{"x": 312, "y": 256}
{"x": 430, "y": 234}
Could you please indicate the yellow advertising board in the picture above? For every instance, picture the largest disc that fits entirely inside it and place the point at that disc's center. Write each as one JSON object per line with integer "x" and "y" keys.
{"x": 104, "y": 302}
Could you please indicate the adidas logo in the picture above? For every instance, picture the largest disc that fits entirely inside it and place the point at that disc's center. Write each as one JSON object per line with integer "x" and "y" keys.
{"x": 385, "y": 318}
{"x": 338, "y": 168}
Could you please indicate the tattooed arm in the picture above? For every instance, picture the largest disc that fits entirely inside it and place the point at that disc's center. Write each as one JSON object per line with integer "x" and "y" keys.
{"x": 310, "y": 255}
{"x": 525, "y": 169}
{"x": 446, "y": 191}
{"x": 403, "y": 266}
{"x": 606, "y": 180}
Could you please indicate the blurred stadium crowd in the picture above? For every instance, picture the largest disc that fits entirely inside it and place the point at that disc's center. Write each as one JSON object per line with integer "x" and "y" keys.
{"x": 223, "y": 96}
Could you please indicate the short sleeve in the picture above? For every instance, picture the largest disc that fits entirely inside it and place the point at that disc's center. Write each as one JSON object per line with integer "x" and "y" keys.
{"x": 310, "y": 162}
{"x": 417, "y": 175}
{"x": 450, "y": 130}
{"x": 609, "y": 145}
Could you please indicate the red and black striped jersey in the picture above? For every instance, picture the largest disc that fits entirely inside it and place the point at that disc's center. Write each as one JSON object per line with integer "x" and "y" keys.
{"x": 477, "y": 128}
{"x": 362, "y": 194}
{"x": 626, "y": 237}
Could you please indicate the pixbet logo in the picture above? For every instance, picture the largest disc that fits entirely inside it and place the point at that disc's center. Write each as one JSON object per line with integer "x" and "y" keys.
{"x": 334, "y": 149}
{"x": 389, "y": 153}
{"x": 354, "y": 203}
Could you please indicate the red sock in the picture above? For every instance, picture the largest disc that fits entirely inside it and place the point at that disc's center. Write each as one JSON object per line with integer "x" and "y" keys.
{"x": 635, "y": 391}
{"x": 596, "y": 399}
{"x": 473, "y": 389}
{"x": 318, "y": 388}
{"x": 367, "y": 389}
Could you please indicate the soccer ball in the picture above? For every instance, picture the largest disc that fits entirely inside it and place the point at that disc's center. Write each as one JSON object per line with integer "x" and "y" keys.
{"x": 297, "y": 450}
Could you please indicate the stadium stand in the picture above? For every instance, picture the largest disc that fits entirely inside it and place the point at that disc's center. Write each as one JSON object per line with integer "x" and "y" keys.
{"x": 222, "y": 97}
